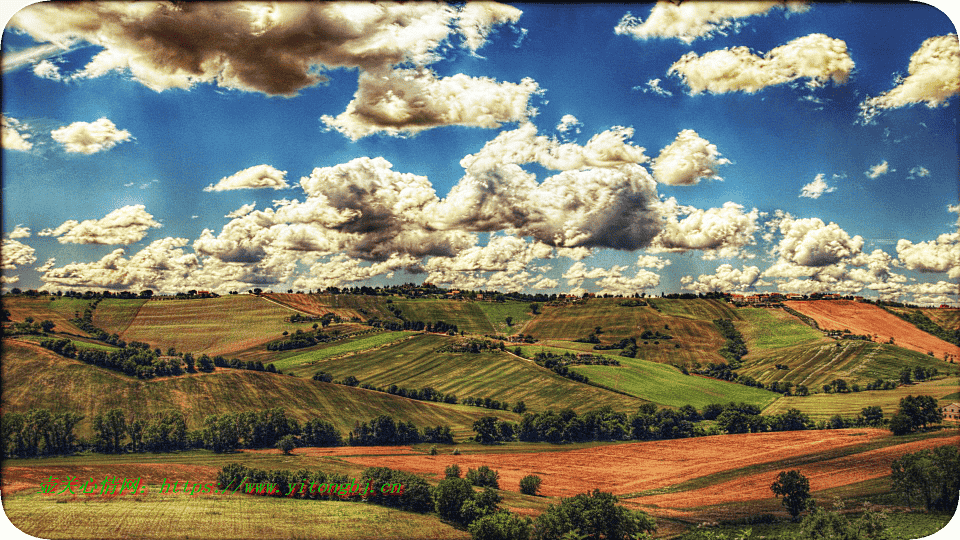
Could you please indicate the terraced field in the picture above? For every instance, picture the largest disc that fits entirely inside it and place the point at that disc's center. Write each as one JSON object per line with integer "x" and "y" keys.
{"x": 945, "y": 318}
{"x": 767, "y": 330}
{"x": 35, "y": 377}
{"x": 214, "y": 326}
{"x": 114, "y": 316}
{"x": 58, "y": 310}
{"x": 415, "y": 363}
{"x": 690, "y": 322}
{"x": 823, "y": 406}
{"x": 468, "y": 316}
{"x": 304, "y": 360}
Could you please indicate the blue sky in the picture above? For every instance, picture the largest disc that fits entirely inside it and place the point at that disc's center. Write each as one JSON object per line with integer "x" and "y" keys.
{"x": 527, "y": 147}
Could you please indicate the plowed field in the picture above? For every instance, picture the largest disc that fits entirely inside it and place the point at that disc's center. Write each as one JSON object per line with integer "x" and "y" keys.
{"x": 635, "y": 467}
{"x": 862, "y": 318}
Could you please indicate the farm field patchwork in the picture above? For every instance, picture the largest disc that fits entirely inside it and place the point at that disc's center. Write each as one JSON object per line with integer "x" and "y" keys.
{"x": 114, "y": 315}
{"x": 861, "y": 318}
{"x": 57, "y": 310}
{"x": 304, "y": 360}
{"x": 823, "y": 406}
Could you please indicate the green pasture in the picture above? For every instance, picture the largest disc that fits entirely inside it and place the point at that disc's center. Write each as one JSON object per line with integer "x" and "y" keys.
{"x": 497, "y": 312}
{"x": 767, "y": 330}
{"x": 304, "y": 359}
{"x": 415, "y": 363}
{"x": 58, "y": 310}
{"x": 699, "y": 309}
{"x": 36, "y": 378}
{"x": 468, "y": 316}
{"x": 823, "y": 406}
{"x": 114, "y": 315}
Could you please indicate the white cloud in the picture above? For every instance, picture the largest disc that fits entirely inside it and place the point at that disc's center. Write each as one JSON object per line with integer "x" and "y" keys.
{"x": 6, "y": 280}
{"x": 689, "y": 21}
{"x": 340, "y": 270}
{"x": 919, "y": 172}
{"x": 16, "y": 254}
{"x": 940, "y": 255}
{"x": 725, "y": 278}
{"x": 687, "y": 159}
{"x": 816, "y": 57}
{"x": 407, "y": 101}
{"x": 568, "y": 122}
{"x": 242, "y": 211}
{"x": 276, "y": 48}
{"x": 502, "y": 253}
{"x": 649, "y": 261}
{"x": 20, "y": 232}
{"x": 47, "y": 265}
{"x": 47, "y": 70}
{"x": 815, "y": 189}
{"x": 933, "y": 78}
{"x": 256, "y": 177}
{"x": 90, "y": 137}
{"x": 612, "y": 280}
{"x": 14, "y": 135}
{"x": 653, "y": 85}
{"x": 879, "y": 169}
{"x": 719, "y": 232}
{"x": 122, "y": 226}
{"x": 812, "y": 243}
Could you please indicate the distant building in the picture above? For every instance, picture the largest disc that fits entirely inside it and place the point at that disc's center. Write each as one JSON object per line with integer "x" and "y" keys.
{"x": 951, "y": 412}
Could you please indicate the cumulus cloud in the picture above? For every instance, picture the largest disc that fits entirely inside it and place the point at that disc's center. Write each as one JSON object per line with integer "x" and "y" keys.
{"x": 687, "y": 159}
{"x": 879, "y": 169}
{"x": 653, "y": 85}
{"x": 812, "y": 243}
{"x": 16, "y": 254}
{"x": 611, "y": 280}
{"x": 816, "y": 57}
{"x": 20, "y": 232}
{"x": 719, "y": 232}
{"x": 242, "y": 211}
{"x": 649, "y": 261}
{"x": 46, "y": 69}
{"x": 940, "y": 255}
{"x": 341, "y": 269}
{"x": 122, "y": 226}
{"x": 277, "y": 48}
{"x": 815, "y": 189}
{"x": 568, "y": 122}
{"x": 256, "y": 177}
{"x": 90, "y": 137}
{"x": 933, "y": 78}
{"x": 689, "y": 21}
{"x": 14, "y": 135}
{"x": 502, "y": 253}
{"x": 407, "y": 101}
{"x": 725, "y": 278}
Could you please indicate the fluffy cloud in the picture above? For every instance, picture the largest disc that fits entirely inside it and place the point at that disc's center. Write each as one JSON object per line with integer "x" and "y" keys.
{"x": 919, "y": 172}
{"x": 879, "y": 169}
{"x": 653, "y": 85}
{"x": 812, "y": 243}
{"x": 816, "y": 188}
{"x": 16, "y": 254}
{"x": 567, "y": 123}
{"x": 649, "y": 261}
{"x": 407, "y": 101}
{"x": 689, "y": 21}
{"x": 341, "y": 269}
{"x": 277, "y": 48}
{"x": 687, "y": 159}
{"x": 242, "y": 211}
{"x": 90, "y": 137}
{"x": 256, "y": 177}
{"x": 502, "y": 253}
{"x": 725, "y": 278}
{"x": 816, "y": 57}
{"x": 933, "y": 78}
{"x": 20, "y": 232}
{"x": 14, "y": 135}
{"x": 612, "y": 280}
{"x": 719, "y": 232}
{"x": 940, "y": 255}
{"x": 122, "y": 226}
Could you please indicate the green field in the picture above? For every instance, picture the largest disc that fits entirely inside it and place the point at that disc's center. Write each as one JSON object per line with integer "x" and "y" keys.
{"x": 114, "y": 316}
{"x": 214, "y": 326}
{"x": 666, "y": 385}
{"x": 58, "y": 310}
{"x": 414, "y": 363}
{"x": 767, "y": 330}
{"x": 823, "y": 406}
{"x": 37, "y": 378}
{"x": 303, "y": 359}
{"x": 467, "y": 316}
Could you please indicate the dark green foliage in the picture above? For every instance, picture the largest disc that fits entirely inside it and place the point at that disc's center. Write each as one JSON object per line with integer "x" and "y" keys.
{"x": 287, "y": 443}
{"x": 449, "y": 496}
{"x": 501, "y": 526}
{"x": 871, "y": 416}
{"x": 916, "y": 412}
{"x": 593, "y": 515}
{"x": 480, "y": 505}
{"x": 323, "y": 376}
{"x": 491, "y": 430}
{"x": 792, "y": 420}
{"x": 385, "y": 431}
{"x": 483, "y": 476}
{"x": 319, "y": 432}
{"x": 452, "y": 471}
{"x": 735, "y": 347}
{"x": 825, "y": 525}
{"x": 38, "y": 432}
{"x": 930, "y": 477}
{"x": 109, "y": 430}
{"x": 566, "y": 426}
{"x": 530, "y": 484}
{"x": 794, "y": 488}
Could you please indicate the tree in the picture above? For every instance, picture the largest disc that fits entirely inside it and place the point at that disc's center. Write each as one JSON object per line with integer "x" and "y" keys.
{"x": 535, "y": 308}
{"x": 825, "y": 525}
{"x": 484, "y": 476}
{"x": 501, "y": 526}
{"x": 449, "y": 496}
{"x": 486, "y": 429}
{"x": 931, "y": 477}
{"x": 871, "y": 416}
{"x": 287, "y": 443}
{"x": 509, "y": 321}
{"x": 47, "y": 326}
{"x": 593, "y": 515}
{"x": 915, "y": 412}
{"x": 452, "y": 471}
{"x": 795, "y": 490}
{"x": 530, "y": 484}
{"x": 109, "y": 429}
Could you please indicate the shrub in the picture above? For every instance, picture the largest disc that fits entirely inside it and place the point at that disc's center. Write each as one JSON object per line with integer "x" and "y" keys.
{"x": 530, "y": 484}
{"x": 484, "y": 476}
{"x": 453, "y": 471}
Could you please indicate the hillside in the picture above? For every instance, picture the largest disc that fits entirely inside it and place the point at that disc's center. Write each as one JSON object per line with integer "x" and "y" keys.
{"x": 948, "y": 319}
{"x": 861, "y": 318}
{"x": 55, "y": 309}
{"x": 35, "y": 377}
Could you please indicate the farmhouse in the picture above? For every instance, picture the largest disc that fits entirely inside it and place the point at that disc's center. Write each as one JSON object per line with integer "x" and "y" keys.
{"x": 951, "y": 412}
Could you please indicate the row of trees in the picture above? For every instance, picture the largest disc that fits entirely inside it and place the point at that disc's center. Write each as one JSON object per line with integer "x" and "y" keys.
{"x": 426, "y": 393}
{"x": 385, "y": 431}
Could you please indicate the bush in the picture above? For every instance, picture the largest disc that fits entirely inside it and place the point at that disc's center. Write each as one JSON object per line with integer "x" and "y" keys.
{"x": 449, "y": 496}
{"x": 484, "y": 476}
{"x": 501, "y": 526}
{"x": 286, "y": 444}
{"x": 530, "y": 484}
{"x": 453, "y": 471}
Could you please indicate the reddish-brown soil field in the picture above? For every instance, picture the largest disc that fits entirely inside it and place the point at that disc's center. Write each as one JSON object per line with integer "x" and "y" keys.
{"x": 634, "y": 467}
{"x": 345, "y": 451}
{"x": 822, "y": 475}
{"x": 29, "y": 478}
{"x": 862, "y": 318}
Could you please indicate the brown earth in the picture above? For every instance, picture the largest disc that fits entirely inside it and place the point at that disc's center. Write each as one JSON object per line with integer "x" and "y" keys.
{"x": 29, "y": 478}
{"x": 307, "y": 303}
{"x": 861, "y": 318}
{"x": 822, "y": 475}
{"x": 634, "y": 467}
